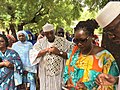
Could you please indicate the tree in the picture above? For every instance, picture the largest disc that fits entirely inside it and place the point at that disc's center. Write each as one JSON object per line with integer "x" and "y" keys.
{"x": 33, "y": 14}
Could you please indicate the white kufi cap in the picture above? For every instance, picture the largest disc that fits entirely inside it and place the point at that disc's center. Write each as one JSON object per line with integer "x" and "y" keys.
{"x": 108, "y": 13}
{"x": 48, "y": 27}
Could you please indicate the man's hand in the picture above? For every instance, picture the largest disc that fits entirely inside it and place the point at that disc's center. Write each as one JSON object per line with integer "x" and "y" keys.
{"x": 43, "y": 52}
{"x": 54, "y": 50}
{"x": 106, "y": 79}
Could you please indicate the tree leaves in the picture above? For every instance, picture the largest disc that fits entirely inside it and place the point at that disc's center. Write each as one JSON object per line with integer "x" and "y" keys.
{"x": 36, "y": 13}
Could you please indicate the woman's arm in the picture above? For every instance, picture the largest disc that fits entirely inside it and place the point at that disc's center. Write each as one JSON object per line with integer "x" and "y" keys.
{"x": 1, "y": 64}
{"x": 7, "y": 64}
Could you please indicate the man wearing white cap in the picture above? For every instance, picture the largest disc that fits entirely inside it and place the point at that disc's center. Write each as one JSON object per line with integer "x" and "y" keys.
{"x": 109, "y": 20}
{"x": 50, "y": 53}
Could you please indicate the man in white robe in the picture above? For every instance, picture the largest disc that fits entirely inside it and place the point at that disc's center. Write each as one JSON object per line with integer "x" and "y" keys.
{"x": 50, "y": 54}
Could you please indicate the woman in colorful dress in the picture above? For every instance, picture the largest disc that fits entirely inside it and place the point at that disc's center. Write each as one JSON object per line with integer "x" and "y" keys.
{"x": 22, "y": 47}
{"x": 86, "y": 60}
{"x": 9, "y": 61}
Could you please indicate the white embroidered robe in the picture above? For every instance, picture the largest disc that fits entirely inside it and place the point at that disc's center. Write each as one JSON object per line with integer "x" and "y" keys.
{"x": 50, "y": 65}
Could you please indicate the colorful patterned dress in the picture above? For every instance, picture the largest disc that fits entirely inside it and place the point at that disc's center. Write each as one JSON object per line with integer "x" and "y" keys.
{"x": 6, "y": 74}
{"x": 86, "y": 68}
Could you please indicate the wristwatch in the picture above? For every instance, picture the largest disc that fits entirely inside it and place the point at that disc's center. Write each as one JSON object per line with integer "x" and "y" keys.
{"x": 61, "y": 53}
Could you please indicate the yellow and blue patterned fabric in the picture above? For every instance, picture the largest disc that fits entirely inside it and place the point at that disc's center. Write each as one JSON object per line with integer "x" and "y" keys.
{"x": 86, "y": 68}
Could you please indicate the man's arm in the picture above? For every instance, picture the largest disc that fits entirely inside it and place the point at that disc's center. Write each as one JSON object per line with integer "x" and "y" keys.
{"x": 42, "y": 52}
{"x": 106, "y": 79}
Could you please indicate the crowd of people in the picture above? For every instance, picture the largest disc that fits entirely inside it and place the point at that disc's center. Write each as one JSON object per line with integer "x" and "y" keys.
{"x": 59, "y": 61}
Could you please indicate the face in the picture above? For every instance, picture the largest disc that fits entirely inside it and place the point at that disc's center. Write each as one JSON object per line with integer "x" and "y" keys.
{"x": 30, "y": 36}
{"x": 113, "y": 30}
{"x": 2, "y": 43}
{"x": 11, "y": 41}
{"x": 81, "y": 39}
{"x": 50, "y": 35}
{"x": 22, "y": 37}
{"x": 60, "y": 34}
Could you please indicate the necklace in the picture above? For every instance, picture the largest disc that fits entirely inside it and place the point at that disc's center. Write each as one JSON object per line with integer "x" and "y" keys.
{"x": 81, "y": 62}
{"x": 88, "y": 52}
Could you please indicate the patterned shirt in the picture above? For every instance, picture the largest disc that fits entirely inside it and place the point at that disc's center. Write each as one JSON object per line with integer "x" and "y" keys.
{"x": 6, "y": 74}
{"x": 86, "y": 68}
{"x": 51, "y": 62}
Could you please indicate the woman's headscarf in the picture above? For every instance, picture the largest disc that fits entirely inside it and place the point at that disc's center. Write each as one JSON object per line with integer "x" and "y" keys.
{"x": 11, "y": 39}
{"x": 32, "y": 39}
{"x": 23, "y": 32}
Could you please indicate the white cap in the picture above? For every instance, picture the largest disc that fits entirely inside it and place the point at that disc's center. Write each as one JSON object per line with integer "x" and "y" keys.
{"x": 108, "y": 13}
{"x": 48, "y": 27}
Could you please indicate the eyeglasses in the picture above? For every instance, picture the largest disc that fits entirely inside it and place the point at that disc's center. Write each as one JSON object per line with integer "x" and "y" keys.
{"x": 80, "y": 40}
{"x": 109, "y": 34}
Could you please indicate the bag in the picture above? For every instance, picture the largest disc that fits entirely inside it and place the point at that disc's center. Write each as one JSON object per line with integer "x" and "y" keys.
{"x": 17, "y": 78}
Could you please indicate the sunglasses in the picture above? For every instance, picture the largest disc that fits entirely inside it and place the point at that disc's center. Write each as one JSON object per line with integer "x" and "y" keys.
{"x": 80, "y": 40}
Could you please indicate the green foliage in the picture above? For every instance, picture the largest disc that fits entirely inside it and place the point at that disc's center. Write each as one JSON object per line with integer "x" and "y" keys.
{"x": 33, "y": 14}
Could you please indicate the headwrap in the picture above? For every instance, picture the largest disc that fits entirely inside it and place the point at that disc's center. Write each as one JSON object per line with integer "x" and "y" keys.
{"x": 32, "y": 39}
{"x": 11, "y": 37}
{"x": 28, "y": 32}
{"x": 23, "y": 32}
{"x": 48, "y": 27}
{"x": 108, "y": 13}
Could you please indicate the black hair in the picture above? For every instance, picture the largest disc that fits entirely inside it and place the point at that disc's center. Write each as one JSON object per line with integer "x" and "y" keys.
{"x": 60, "y": 30}
{"x": 88, "y": 25}
{"x": 5, "y": 38}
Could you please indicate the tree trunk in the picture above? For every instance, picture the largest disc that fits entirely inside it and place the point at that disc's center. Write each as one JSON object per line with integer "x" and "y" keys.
{"x": 12, "y": 28}
{"x": 20, "y": 26}
{"x": 7, "y": 30}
